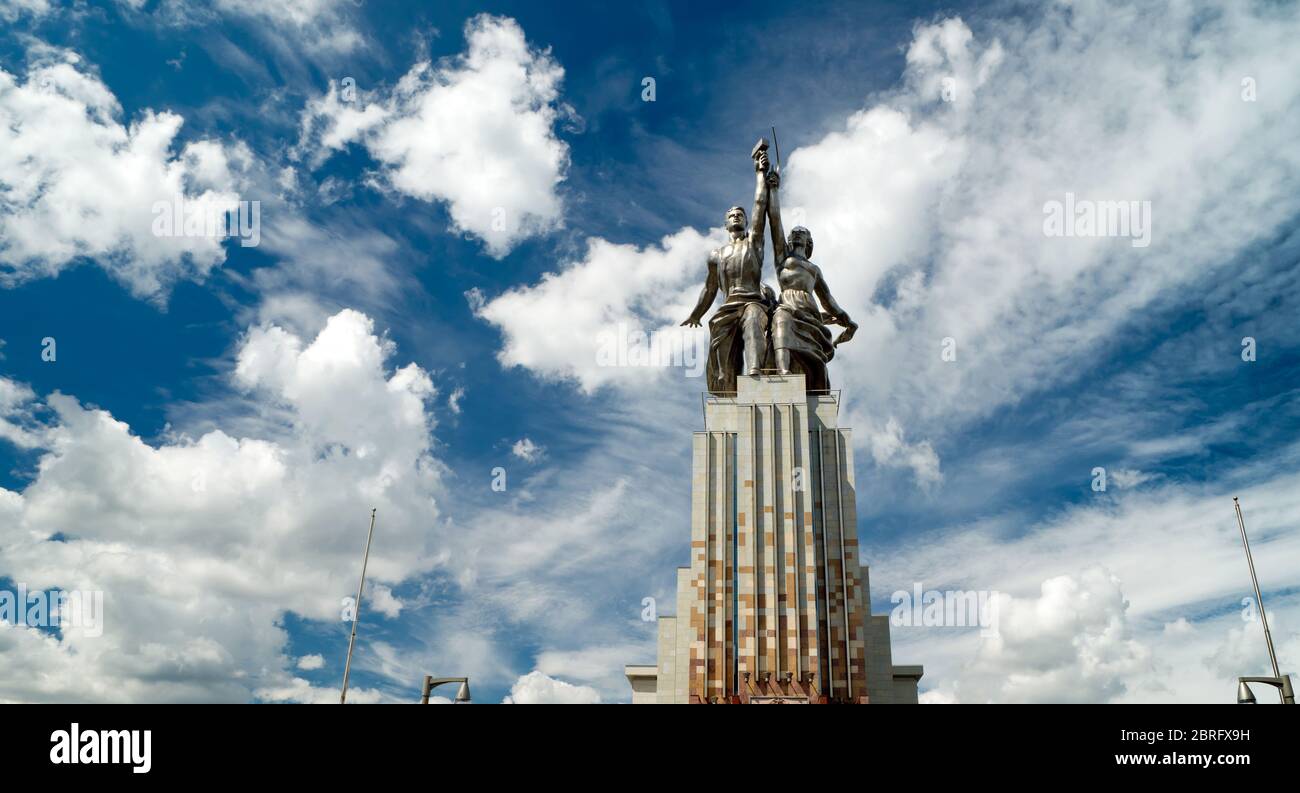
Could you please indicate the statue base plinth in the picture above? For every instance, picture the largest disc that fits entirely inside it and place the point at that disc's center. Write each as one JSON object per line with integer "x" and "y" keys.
{"x": 774, "y": 607}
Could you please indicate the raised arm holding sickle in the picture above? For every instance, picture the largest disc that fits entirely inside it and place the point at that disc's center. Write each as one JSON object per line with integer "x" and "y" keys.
{"x": 801, "y": 342}
{"x": 738, "y": 329}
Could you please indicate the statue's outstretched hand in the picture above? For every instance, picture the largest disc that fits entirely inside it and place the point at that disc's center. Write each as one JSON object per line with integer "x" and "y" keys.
{"x": 850, "y": 328}
{"x": 691, "y": 323}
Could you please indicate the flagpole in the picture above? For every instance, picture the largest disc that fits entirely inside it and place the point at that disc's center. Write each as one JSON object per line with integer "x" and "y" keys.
{"x": 356, "y": 613}
{"x": 1259, "y": 599}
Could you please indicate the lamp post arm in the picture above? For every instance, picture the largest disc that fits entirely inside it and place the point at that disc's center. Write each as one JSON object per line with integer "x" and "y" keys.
{"x": 1282, "y": 684}
{"x": 431, "y": 682}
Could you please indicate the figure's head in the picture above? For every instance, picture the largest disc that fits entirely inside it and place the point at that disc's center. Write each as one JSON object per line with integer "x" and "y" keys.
{"x": 800, "y": 237}
{"x": 735, "y": 219}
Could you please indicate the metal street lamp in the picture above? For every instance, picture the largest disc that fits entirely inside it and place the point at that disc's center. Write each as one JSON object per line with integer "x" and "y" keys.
{"x": 431, "y": 682}
{"x": 1281, "y": 681}
{"x": 1283, "y": 684}
{"x": 356, "y": 613}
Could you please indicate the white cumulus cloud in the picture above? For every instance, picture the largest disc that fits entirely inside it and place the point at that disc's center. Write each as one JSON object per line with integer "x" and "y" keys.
{"x": 78, "y": 181}
{"x": 476, "y": 132}
{"x": 536, "y": 688}
{"x": 1070, "y": 644}
{"x": 560, "y": 326}
{"x": 201, "y": 545}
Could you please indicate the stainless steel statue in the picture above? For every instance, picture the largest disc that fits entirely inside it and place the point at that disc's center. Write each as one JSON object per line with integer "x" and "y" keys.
{"x": 738, "y": 329}
{"x": 751, "y": 332}
{"x": 800, "y": 340}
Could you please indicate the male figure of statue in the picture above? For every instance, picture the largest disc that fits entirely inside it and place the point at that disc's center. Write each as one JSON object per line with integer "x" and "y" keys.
{"x": 738, "y": 329}
{"x": 801, "y": 342}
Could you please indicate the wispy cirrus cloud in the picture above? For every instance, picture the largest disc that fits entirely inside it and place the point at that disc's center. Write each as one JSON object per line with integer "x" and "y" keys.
{"x": 1126, "y": 584}
{"x": 926, "y": 208}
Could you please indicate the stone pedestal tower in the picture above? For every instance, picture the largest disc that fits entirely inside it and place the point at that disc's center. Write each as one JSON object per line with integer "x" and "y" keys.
{"x": 775, "y": 606}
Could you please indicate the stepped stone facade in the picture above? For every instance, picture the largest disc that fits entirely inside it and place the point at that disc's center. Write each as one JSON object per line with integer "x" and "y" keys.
{"x": 775, "y": 606}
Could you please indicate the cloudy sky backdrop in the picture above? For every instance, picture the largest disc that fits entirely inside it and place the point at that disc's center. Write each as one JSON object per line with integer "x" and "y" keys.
{"x": 457, "y": 202}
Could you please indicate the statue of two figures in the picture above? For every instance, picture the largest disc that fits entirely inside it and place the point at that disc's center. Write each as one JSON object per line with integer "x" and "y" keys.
{"x": 754, "y": 330}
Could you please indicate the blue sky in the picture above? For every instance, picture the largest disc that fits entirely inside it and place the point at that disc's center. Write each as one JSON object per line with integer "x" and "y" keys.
{"x": 458, "y": 200}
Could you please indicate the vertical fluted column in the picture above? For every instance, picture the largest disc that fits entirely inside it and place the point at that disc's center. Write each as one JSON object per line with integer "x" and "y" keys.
{"x": 810, "y": 625}
{"x": 791, "y": 638}
{"x": 701, "y": 520}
